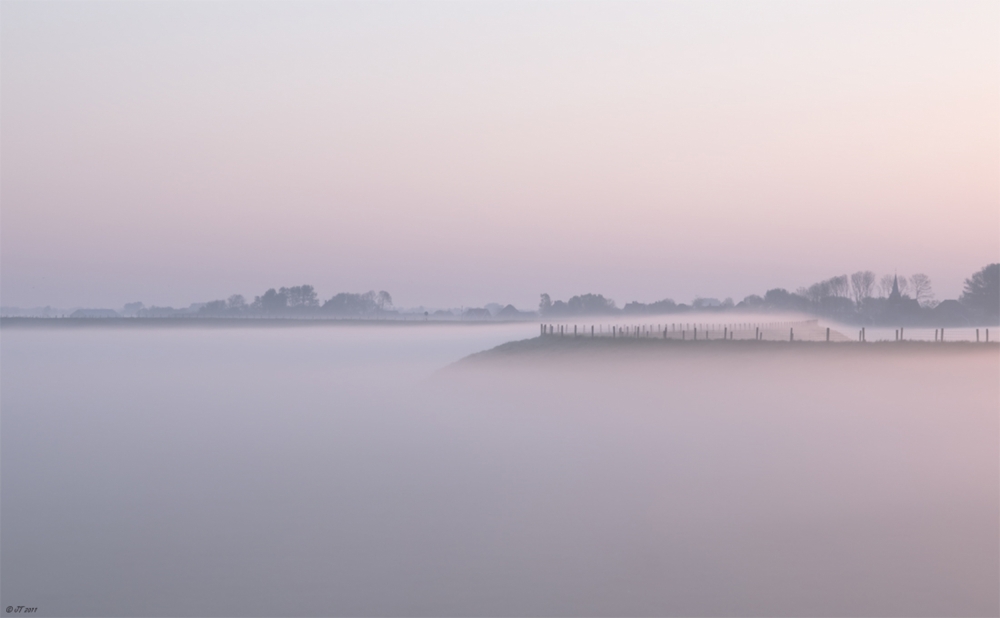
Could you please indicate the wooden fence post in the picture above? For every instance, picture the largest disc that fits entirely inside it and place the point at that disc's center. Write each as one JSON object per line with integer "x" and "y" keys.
{"x": 828, "y": 334}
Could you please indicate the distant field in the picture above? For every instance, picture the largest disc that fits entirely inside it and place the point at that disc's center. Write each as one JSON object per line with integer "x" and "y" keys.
{"x": 554, "y": 346}
{"x": 70, "y": 323}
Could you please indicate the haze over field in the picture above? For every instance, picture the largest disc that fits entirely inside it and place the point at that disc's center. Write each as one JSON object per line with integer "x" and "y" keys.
{"x": 337, "y": 471}
{"x": 459, "y": 154}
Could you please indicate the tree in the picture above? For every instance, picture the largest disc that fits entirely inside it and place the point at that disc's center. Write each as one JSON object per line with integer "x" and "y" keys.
{"x": 300, "y": 296}
{"x": 834, "y": 286}
{"x": 839, "y": 286}
{"x": 782, "y": 299}
{"x": 272, "y": 301}
{"x": 351, "y": 304}
{"x": 862, "y": 283}
{"x": 982, "y": 291}
{"x": 591, "y": 303}
{"x": 884, "y": 286}
{"x": 132, "y": 309}
{"x": 815, "y": 292}
{"x": 236, "y": 302}
{"x": 545, "y": 304}
{"x": 922, "y": 291}
{"x": 214, "y": 307}
{"x": 383, "y": 300}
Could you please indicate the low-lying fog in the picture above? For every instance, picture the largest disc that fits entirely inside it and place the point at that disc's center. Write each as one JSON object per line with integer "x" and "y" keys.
{"x": 335, "y": 470}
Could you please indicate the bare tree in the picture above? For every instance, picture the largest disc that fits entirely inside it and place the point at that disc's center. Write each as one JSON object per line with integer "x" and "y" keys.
{"x": 815, "y": 292}
{"x": 839, "y": 286}
{"x": 922, "y": 289}
{"x": 884, "y": 286}
{"x": 904, "y": 284}
{"x": 862, "y": 283}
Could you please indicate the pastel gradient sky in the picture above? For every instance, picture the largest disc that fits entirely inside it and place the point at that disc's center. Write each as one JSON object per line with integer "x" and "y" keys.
{"x": 463, "y": 153}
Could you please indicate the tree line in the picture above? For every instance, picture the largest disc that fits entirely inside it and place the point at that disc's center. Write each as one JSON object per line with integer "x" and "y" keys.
{"x": 301, "y": 300}
{"x": 859, "y": 297}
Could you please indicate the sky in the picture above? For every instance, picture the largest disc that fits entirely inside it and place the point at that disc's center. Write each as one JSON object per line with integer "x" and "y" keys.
{"x": 457, "y": 154}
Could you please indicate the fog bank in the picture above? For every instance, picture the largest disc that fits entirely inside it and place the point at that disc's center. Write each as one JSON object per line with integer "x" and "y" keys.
{"x": 341, "y": 471}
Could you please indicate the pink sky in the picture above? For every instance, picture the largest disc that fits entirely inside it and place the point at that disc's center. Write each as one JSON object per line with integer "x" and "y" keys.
{"x": 458, "y": 154}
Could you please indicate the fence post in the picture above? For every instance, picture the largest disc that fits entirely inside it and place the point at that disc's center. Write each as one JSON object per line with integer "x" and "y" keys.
{"x": 977, "y": 335}
{"x": 828, "y": 334}
{"x": 791, "y": 334}
{"x": 942, "y": 335}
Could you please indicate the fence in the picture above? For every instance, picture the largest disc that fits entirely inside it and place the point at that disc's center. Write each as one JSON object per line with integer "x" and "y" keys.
{"x": 808, "y": 330}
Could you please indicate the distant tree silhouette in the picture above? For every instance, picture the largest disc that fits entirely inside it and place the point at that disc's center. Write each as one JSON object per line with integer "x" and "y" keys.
{"x": 839, "y": 286}
{"x": 661, "y": 306}
{"x": 884, "y": 286}
{"x": 383, "y": 300}
{"x": 303, "y": 296}
{"x": 922, "y": 291}
{"x": 832, "y": 287}
{"x": 272, "y": 301}
{"x": 584, "y": 304}
{"x": 545, "y": 304}
{"x": 215, "y": 307}
{"x": 133, "y": 309}
{"x": 862, "y": 283}
{"x": 783, "y": 300}
{"x": 351, "y": 304}
{"x": 982, "y": 291}
{"x": 590, "y": 304}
